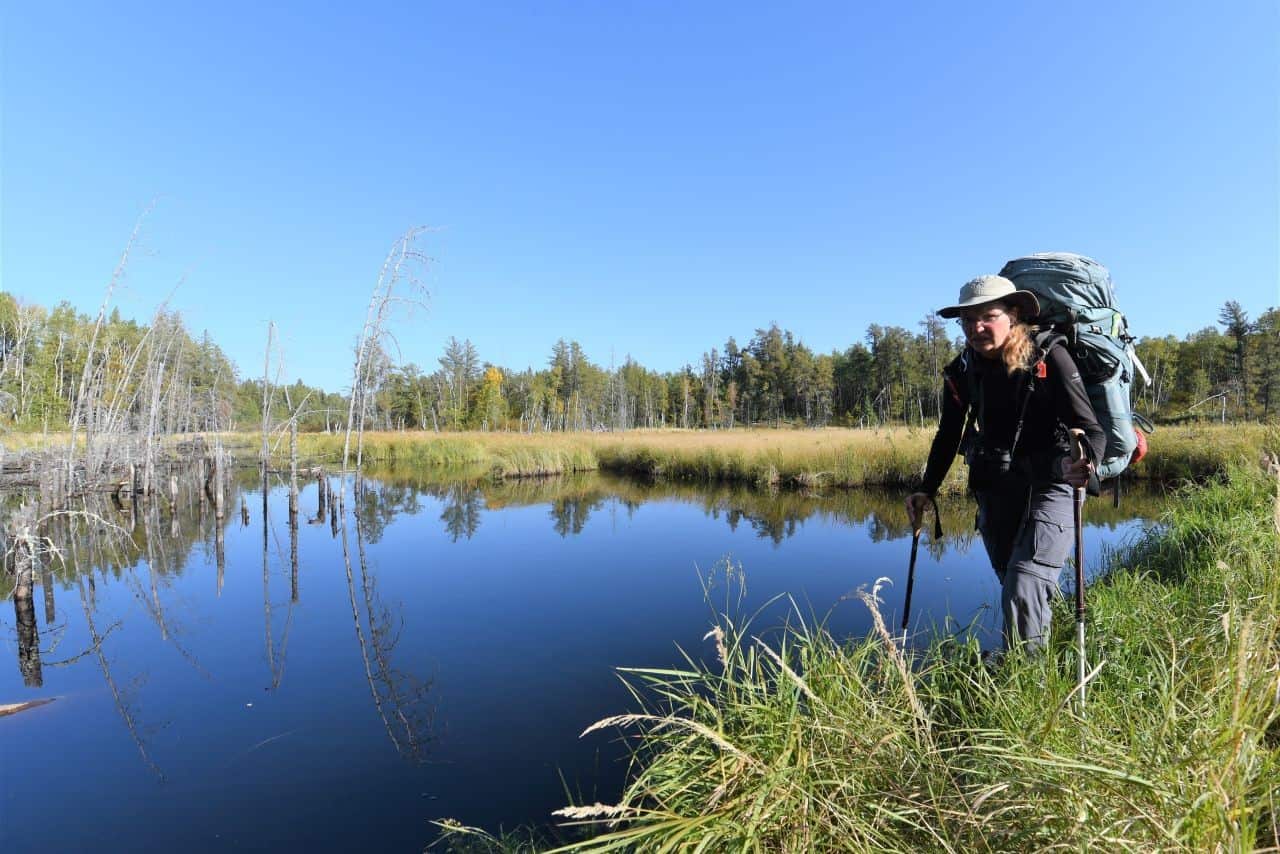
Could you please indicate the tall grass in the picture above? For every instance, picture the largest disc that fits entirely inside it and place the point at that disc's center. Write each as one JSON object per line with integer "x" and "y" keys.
{"x": 761, "y": 458}
{"x": 1199, "y": 451}
{"x": 504, "y": 454}
{"x": 768, "y": 458}
{"x": 803, "y": 743}
{"x": 806, "y": 459}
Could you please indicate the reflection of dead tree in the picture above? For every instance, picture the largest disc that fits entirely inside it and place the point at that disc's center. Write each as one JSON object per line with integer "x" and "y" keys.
{"x": 156, "y": 560}
{"x": 276, "y": 668}
{"x": 400, "y": 700}
{"x": 93, "y": 648}
{"x": 29, "y": 551}
{"x": 384, "y": 641}
{"x": 121, "y": 706}
{"x": 106, "y": 551}
{"x": 46, "y": 584}
{"x": 61, "y": 535}
{"x": 25, "y": 557}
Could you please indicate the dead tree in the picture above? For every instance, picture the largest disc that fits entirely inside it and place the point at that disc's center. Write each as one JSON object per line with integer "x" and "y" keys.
{"x": 398, "y": 274}
{"x": 77, "y": 406}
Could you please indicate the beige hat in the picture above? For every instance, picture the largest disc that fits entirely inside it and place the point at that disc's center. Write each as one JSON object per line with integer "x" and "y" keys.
{"x": 985, "y": 289}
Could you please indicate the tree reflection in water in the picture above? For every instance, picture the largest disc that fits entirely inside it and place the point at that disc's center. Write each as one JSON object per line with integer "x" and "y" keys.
{"x": 773, "y": 514}
{"x": 401, "y": 700}
{"x": 88, "y": 543}
{"x": 571, "y": 514}
{"x": 461, "y": 513}
{"x": 106, "y": 545}
{"x": 276, "y": 660}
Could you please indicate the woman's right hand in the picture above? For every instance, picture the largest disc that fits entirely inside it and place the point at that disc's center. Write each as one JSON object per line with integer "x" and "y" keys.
{"x": 916, "y": 503}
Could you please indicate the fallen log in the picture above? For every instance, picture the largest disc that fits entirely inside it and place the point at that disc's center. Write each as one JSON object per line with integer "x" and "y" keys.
{"x": 7, "y": 709}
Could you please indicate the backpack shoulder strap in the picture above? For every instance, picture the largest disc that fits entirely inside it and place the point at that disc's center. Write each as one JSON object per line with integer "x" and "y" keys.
{"x": 1045, "y": 339}
{"x": 959, "y": 379}
{"x": 965, "y": 372}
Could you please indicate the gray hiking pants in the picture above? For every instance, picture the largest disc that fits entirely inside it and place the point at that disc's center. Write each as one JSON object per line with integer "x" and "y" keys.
{"x": 1028, "y": 532}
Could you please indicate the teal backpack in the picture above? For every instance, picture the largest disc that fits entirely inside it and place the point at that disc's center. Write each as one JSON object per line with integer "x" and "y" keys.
{"x": 1078, "y": 301}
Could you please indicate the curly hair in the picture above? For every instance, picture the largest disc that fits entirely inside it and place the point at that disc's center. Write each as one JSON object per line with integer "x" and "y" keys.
{"x": 1018, "y": 349}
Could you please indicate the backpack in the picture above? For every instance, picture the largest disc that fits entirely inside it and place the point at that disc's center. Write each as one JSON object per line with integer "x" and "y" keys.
{"x": 1077, "y": 301}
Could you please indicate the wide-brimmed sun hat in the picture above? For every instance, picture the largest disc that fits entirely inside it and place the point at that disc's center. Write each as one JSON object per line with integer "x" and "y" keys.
{"x": 988, "y": 289}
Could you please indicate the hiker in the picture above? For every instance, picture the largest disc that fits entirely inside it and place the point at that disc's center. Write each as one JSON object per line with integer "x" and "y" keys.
{"x": 1010, "y": 408}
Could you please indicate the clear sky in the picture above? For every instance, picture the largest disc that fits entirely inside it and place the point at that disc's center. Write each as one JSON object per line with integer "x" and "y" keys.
{"x": 645, "y": 177}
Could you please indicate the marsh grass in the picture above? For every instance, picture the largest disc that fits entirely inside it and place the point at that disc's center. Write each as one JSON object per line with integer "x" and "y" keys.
{"x": 767, "y": 458}
{"x": 803, "y": 743}
{"x": 806, "y": 459}
{"x": 1200, "y": 451}
{"x": 763, "y": 458}
{"x": 510, "y": 455}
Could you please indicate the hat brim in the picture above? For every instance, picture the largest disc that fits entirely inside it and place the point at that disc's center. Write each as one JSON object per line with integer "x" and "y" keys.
{"x": 1025, "y": 301}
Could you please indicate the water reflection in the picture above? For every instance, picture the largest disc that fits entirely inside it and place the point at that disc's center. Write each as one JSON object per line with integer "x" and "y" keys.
{"x": 486, "y": 618}
{"x": 461, "y": 514}
{"x": 132, "y": 542}
{"x": 772, "y": 515}
{"x": 122, "y": 699}
{"x": 570, "y": 514}
{"x": 122, "y": 540}
{"x": 401, "y": 699}
{"x": 276, "y": 652}
{"x": 28, "y": 633}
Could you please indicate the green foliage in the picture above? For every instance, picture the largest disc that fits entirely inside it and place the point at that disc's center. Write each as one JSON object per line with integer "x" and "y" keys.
{"x": 42, "y": 361}
{"x": 891, "y": 377}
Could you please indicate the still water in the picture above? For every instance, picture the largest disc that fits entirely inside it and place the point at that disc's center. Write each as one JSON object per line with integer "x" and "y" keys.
{"x": 433, "y": 651}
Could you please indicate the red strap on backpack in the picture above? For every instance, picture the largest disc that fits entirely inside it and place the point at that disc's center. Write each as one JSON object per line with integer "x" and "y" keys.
{"x": 955, "y": 392}
{"x": 1141, "y": 450}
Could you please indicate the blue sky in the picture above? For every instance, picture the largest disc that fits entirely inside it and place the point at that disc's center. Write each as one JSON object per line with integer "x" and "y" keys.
{"x": 646, "y": 178}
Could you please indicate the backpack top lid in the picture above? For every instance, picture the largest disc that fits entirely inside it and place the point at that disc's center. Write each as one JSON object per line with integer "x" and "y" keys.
{"x": 1064, "y": 282}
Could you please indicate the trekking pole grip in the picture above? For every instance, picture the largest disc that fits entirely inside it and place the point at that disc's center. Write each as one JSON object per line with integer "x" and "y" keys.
{"x": 1077, "y": 443}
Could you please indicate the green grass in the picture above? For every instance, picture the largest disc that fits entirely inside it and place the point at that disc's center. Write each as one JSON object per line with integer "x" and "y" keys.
{"x": 800, "y": 743}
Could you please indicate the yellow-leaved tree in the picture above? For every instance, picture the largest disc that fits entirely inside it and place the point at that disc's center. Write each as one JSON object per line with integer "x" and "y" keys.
{"x": 490, "y": 411}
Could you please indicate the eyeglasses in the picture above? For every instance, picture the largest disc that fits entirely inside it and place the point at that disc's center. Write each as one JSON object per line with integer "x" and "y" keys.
{"x": 988, "y": 318}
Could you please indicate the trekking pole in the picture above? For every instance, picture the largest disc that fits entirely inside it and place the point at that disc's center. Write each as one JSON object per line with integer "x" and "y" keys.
{"x": 916, "y": 527}
{"x": 1077, "y": 437}
{"x": 911, "y": 578}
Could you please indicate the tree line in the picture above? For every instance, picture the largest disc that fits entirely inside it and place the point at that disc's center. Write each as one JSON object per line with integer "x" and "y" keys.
{"x": 161, "y": 373}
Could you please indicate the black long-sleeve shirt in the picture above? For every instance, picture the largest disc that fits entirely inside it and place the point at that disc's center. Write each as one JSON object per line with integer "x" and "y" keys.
{"x": 1057, "y": 403}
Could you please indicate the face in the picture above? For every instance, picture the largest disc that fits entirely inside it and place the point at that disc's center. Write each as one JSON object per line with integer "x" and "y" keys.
{"x": 986, "y": 327}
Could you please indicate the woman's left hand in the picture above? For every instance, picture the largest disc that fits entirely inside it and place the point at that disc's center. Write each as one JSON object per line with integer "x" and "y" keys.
{"x": 1076, "y": 472}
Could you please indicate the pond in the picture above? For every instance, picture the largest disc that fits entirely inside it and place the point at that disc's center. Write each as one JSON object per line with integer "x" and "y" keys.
{"x": 433, "y": 651}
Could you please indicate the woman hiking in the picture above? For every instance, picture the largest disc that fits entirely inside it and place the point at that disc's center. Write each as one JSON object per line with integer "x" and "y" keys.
{"x": 1013, "y": 406}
